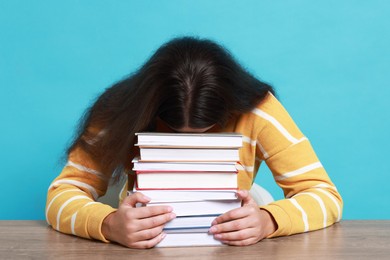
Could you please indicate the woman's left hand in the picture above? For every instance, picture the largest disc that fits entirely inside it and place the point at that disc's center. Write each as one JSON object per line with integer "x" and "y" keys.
{"x": 243, "y": 226}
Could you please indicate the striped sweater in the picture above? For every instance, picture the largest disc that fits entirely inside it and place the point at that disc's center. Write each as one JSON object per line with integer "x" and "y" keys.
{"x": 270, "y": 135}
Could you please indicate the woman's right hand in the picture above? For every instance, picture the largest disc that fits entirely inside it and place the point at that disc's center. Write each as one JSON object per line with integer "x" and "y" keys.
{"x": 137, "y": 227}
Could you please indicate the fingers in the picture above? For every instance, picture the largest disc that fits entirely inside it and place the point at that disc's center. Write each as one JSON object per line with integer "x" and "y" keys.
{"x": 238, "y": 235}
{"x": 246, "y": 198}
{"x": 238, "y": 227}
{"x": 143, "y": 212}
{"x": 155, "y": 221}
{"x": 148, "y": 243}
{"x": 232, "y": 215}
{"x": 150, "y": 211}
{"x": 135, "y": 198}
{"x": 230, "y": 226}
{"x": 148, "y": 234}
{"x": 139, "y": 227}
{"x": 244, "y": 242}
{"x": 236, "y": 232}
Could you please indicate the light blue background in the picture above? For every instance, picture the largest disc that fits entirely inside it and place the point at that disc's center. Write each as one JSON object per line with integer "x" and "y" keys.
{"x": 328, "y": 60}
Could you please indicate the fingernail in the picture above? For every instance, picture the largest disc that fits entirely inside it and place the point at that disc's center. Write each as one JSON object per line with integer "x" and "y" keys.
{"x": 169, "y": 209}
{"x": 163, "y": 235}
{"x": 212, "y": 230}
{"x": 214, "y": 222}
{"x": 218, "y": 236}
{"x": 172, "y": 216}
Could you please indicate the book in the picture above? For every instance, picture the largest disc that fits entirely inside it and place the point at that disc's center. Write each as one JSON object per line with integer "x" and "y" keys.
{"x": 188, "y": 230}
{"x": 188, "y": 239}
{"x": 198, "y": 208}
{"x": 185, "y": 166}
{"x": 189, "y": 154}
{"x": 158, "y": 196}
{"x": 185, "y": 180}
{"x": 195, "y": 174}
{"x": 190, "y": 223}
{"x": 215, "y": 140}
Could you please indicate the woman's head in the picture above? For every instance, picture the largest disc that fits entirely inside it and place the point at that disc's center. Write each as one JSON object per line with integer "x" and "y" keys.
{"x": 191, "y": 74}
{"x": 197, "y": 83}
{"x": 191, "y": 84}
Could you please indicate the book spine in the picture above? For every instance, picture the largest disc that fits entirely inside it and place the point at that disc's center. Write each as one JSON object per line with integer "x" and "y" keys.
{"x": 189, "y": 189}
{"x": 181, "y": 172}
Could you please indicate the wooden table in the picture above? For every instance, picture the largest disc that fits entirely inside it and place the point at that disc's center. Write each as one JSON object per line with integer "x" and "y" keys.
{"x": 345, "y": 240}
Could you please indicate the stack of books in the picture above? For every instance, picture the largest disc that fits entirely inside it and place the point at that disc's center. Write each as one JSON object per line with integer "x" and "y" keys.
{"x": 195, "y": 174}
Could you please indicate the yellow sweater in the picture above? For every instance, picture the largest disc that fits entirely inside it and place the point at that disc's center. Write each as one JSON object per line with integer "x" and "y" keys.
{"x": 270, "y": 135}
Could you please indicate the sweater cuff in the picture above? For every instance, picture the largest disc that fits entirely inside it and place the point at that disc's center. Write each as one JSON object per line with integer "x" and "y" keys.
{"x": 95, "y": 222}
{"x": 281, "y": 218}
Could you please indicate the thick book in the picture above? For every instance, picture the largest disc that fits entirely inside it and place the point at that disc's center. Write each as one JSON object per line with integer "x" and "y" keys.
{"x": 189, "y": 154}
{"x": 185, "y": 180}
{"x": 188, "y": 239}
{"x": 185, "y": 166}
{"x": 199, "y": 208}
{"x": 211, "y": 140}
{"x": 158, "y": 196}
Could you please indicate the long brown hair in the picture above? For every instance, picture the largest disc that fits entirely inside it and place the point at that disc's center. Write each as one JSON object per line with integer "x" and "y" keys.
{"x": 187, "y": 82}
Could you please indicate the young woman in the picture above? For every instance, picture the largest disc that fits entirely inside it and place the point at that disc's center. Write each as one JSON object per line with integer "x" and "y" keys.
{"x": 190, "y": 85}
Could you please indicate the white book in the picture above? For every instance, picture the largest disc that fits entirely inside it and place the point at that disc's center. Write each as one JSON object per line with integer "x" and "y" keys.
{"x": 187, "y": 230}
{"x": 188, "y": 239}
{"x": 158, "y": 196}
{"x": 186, "y": 180}
{"x": 221, "y": 140}
{"x": 188, "y": 154}
{"x": 186, "y": 166}
{"x": 198, "y": 208}
{"x": 190, "y": 222}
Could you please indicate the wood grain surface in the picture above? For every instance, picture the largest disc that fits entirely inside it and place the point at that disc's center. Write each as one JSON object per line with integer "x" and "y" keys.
{"x": 345, "y": 240}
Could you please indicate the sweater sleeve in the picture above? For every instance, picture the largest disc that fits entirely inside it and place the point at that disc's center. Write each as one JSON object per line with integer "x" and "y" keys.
{"x": 311, "y": 199}
{"x": 71, "y": 205}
